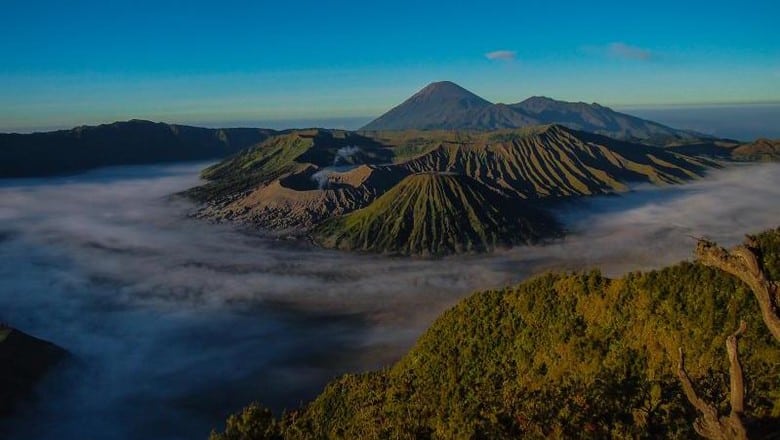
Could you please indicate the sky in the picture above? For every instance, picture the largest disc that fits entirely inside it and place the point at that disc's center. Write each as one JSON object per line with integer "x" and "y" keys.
{"x": 244, "y": 62}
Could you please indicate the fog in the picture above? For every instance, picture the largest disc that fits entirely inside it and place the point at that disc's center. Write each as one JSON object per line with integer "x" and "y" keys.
{"x": 175, "y": 322}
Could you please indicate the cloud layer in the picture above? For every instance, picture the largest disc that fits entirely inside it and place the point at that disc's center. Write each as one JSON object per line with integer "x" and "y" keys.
{"x": 176, "y": 322}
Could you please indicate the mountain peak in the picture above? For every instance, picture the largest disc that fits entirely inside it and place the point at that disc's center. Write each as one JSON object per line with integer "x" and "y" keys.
{"x": 447, "y": 90}
{"x": 439, "y": 105}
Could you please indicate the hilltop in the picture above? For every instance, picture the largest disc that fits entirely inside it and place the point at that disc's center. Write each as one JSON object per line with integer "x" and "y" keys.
{"x": 558, "y": 356}
{"x": 409, "y": 191}
{"x": 448, "y": 106}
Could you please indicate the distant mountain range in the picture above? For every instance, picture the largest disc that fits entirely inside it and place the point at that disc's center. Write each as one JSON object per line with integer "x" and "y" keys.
{"x": 426, "y": 192}
{"x": 121, "y": 143}
{"x": 441, "y": 106}
{"x": 447, "y": 106}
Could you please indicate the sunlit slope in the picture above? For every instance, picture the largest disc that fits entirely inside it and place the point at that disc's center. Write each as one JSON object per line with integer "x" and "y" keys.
{"x": 761, "y": 149}
{"x": 284, "y": 154}
{"x": 558, "y": 356}
{"x": 295, "y": 202}
{"x": 556, "y": 161}
{"x": 436, "y": 214}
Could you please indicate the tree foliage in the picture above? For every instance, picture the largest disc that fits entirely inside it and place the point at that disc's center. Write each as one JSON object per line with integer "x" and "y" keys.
{"x": 560, "y": 356}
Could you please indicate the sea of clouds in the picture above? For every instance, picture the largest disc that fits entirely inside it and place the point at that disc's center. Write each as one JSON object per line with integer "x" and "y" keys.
{"x": 175, "y": 322}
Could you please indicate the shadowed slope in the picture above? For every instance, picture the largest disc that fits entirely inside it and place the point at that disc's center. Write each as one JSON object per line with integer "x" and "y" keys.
{"x": 121, "y": 143}
{"x": 24, "y": 360}
{"x": 595, "y": 118}
{"x": 436, "y": 214}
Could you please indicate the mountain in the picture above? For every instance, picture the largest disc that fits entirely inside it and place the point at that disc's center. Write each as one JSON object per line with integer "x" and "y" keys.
{"x": 121, "y": 143}
{"x": 411, "y": 192}
{"x": 24, "y": 361}
{"x": 447, "y": 106}
{"x": 437, "y": 214}
{"x": 761, "y": 149}
{"x": 598, "y": 119}
{"x": 558, "y": 356}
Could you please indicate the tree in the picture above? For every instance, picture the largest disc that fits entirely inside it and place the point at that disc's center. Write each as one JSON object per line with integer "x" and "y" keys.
{"x": 743, "y": 262}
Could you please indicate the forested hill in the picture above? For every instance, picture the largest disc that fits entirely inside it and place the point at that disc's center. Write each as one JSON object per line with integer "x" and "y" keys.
{"x": 559, "y": 356}
{"x": 121, "y": 143}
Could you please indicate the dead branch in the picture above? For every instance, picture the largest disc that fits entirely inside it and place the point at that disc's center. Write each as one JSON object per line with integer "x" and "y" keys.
{"x": 744, "y": 263}
{"x": 710, "y": 425}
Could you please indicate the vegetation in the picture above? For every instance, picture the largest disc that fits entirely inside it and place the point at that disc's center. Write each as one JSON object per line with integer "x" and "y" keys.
{"x": 560, "y": 356}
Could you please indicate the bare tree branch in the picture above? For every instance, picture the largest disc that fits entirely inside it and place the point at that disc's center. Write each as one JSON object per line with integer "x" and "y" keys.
{"x": 710, "y": 425}
{"x": 735, "y": 372}
{"x": 743, "y": 262}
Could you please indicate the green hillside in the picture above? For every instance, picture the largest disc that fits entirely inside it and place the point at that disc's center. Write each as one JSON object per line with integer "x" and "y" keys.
{"x": 558, "y": 356}
{"x": 436, "y": 214}
{"x": 282, "y": 155}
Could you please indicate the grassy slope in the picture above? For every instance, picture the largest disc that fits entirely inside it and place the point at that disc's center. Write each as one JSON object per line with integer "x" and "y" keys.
{"x": 280, "y": 156}
{"x": 559, "y": 356}
{"x": 435, "y": 214}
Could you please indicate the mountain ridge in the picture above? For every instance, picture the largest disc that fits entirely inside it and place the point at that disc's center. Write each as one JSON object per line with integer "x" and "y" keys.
{"x": 133, "y": 142}
{"x": 446, "y": 105}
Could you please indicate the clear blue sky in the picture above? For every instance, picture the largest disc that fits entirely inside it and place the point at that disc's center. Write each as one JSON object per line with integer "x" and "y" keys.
{"x": 66, "y": 63}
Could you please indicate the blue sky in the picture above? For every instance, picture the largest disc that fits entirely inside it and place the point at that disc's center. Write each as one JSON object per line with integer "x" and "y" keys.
{"x": 71, "y": 63}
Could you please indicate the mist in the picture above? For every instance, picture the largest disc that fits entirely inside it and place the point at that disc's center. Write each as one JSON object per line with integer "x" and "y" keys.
{"x": 175, "y": 322}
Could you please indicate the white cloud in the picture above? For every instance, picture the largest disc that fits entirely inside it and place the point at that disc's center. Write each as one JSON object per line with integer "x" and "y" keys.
{"x": 623, "y": 50}
{"x": 501, "y": 55}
